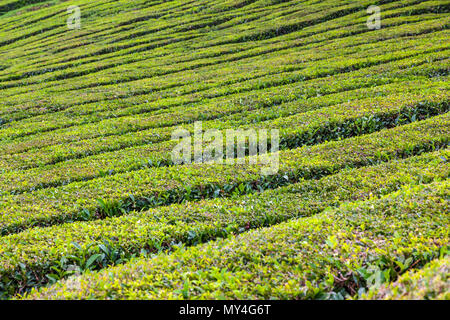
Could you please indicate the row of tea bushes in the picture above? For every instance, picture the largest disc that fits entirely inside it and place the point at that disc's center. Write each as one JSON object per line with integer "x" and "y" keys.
{"x": 333, "y": 255}
{"x": 429, "y": 283}
{"x": 38, "y": 255}
{"x": 166, "y": 185}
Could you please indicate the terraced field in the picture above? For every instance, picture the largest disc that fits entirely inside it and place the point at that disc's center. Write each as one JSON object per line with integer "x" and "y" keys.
{"x": 93, "y": 205}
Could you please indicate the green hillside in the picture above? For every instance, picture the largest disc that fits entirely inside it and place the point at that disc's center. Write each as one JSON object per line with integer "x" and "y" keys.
{"x": 93, "y": 204}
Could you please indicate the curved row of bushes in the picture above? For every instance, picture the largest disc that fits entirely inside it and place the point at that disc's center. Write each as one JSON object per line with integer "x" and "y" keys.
{"x": 325, "y": 124}
{"x": 429, "y": 283}
{"x": 166, "y": 185}
{"x": 333, "y": 255}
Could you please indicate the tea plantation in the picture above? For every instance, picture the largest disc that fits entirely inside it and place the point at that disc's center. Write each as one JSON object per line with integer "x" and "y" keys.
{"x": 93, "y": 205}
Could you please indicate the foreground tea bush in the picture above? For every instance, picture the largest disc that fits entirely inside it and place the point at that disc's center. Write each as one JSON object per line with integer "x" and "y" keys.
{"x": 87, "y": 182}
{"x": 430, "y": 283}
{"x": 121, "y": 193}
{"x": 332, "y": 255}
{"x": 36, "y": 256}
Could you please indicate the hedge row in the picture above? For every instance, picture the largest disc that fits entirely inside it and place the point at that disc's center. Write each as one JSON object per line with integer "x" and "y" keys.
{"x": 312, "y": 69}
{"x": 84, "y": 140}
{"x": 309, "y": 128}
{"x": 333, "y": 255}
{"x": 63, "y": 99}
{"x": 35, "y": 256}
{"x": 160, "y": 24}
{"x": 430, "y": 283}
{"x": 174, "y": 21}
{"x": 163, "y": 87}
